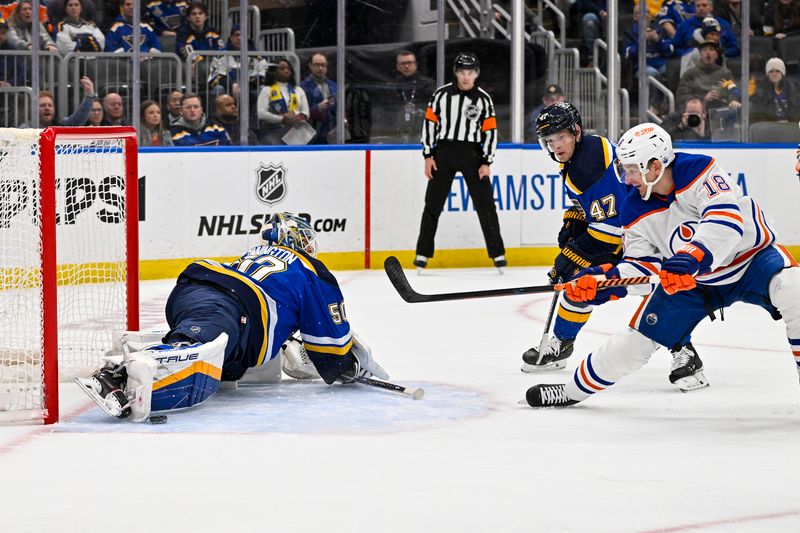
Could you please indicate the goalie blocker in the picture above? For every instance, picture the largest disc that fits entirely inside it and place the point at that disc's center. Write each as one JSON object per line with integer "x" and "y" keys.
{"x": 226, "y": 318}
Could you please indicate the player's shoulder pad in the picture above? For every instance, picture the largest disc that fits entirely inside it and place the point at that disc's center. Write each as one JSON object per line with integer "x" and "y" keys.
{"x": 590, "y": 162}
{"x": 633, "y": 208}
{"x": 688, "y": 167}
{"x": 322, "y": 271}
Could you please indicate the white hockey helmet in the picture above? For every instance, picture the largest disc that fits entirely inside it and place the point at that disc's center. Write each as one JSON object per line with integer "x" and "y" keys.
{"x": 290, "y": 230}
{"x": 641, "y": 145}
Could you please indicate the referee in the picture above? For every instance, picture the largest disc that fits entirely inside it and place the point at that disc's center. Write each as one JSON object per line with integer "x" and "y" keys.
{"x": 460, "y": 135}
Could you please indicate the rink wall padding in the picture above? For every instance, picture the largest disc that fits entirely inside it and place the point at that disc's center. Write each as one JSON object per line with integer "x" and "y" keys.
{"x": 365, "y": 201}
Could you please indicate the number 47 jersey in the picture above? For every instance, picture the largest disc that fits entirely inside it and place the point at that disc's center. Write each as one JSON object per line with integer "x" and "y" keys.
{"x": 282, "y": 290}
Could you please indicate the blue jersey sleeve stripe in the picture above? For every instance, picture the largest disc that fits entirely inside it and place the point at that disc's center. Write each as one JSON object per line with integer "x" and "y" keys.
{"x": 735, "y": 227}
{"x": 718, "y": 207}
{"x": 321, "y": 348}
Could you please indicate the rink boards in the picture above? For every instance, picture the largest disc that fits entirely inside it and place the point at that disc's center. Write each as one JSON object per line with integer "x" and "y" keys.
{"x": 366, "y": 201}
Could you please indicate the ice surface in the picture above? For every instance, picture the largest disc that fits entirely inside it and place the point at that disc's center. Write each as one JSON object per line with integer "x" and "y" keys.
{"x": 307, "y": 457}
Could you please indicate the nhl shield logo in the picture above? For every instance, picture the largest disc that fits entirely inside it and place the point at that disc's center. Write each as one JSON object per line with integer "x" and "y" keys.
{"x": 270, "y": 183}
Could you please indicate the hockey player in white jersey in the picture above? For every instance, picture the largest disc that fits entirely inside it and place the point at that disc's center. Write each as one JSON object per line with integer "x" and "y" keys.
{"x": 711, "y": 246}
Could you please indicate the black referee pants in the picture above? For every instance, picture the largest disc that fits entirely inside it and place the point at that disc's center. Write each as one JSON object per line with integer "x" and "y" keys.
{"x": 464, "y": 157}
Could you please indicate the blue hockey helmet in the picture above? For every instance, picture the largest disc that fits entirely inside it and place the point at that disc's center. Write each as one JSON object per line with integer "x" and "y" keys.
{"x": 557, "y": 117}
{"x": 290, "y": 230}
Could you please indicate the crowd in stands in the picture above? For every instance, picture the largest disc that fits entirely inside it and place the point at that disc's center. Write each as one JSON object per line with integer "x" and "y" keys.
{"x": 693, "y": 48}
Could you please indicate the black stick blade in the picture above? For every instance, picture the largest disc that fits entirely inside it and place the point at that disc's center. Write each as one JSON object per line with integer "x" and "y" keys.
{"x": 394, "y": 271}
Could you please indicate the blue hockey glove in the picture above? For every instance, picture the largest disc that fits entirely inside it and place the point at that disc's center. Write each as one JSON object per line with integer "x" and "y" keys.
{"x": 583, "y": 287}
{"x": 677, "y": 272}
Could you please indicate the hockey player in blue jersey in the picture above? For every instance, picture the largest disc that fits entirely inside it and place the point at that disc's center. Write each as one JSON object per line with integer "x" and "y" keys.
{"x": 226, "y": 318}
{"x": 711, "y": 245}
{"x": 592, "y": 185}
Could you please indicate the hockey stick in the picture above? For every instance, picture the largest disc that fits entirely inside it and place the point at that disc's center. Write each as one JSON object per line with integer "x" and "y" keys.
{"x": 416, "y": 394}
{"x": 546, "y": 332}
{"x": 398, "y": 278}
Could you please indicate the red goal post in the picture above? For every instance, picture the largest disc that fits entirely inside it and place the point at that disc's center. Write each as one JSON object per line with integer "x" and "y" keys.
{"x": 68, "y": 258}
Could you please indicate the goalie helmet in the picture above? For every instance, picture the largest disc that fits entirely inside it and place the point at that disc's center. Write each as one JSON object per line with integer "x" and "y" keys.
{"x": 554, "y": 118}
{"x": 641, "y": 145}
{"x": 292, "y": 231}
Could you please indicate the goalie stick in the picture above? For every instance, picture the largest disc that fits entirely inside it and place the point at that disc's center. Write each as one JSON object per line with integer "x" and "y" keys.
{"x": 416, "y": 394}
{"x": 398, "y": 278}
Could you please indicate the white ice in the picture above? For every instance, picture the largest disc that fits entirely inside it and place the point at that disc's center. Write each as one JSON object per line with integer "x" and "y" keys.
{"x": 638, "y": 457}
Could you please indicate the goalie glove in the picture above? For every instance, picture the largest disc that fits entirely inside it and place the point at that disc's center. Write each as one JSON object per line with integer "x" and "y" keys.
{"x": 677, "y": 272}
{"x": 574, "y": 225}
{"x": 364, "y": 365}
{"x": 584, "y": 287}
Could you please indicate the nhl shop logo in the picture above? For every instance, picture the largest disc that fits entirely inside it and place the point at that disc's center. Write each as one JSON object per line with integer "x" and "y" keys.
{"x": 270, "y": 183}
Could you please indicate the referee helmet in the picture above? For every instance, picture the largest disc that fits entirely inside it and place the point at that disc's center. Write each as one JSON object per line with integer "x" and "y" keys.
{"x": 466, "y": 61}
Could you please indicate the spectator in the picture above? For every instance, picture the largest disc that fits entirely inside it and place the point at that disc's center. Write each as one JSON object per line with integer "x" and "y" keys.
{"x": 711, "y": 31}
{"x": 408, "y": 99}
{"x": 192, "y": 129}
{"x": 96, "y": 113}
{"x": 20, "y": 25}
{"x": 12, "y": 68}
{"x": 47, "y": 108}
{"x": 552, "y": 95}
{"x": 120, "y": 35}
{"x": 114, "y": 110}
{"x": 227, "y": 115}
{"x": 196, "y": 34}
{"x": 592, "y": 15}
{"x": 691, "y": 124}
{"x": 659, "y": 46}
{"x": 224, "y": 71}
{"x": 776, "y": 99}
{"x": 672, "y": 14}
{"x": 174, "y": 106}
{"x": 166, "y": 16}
{"x": 76, "y": 34}
{"x": 731, "y": 10}
{"x": 56, "y": 10}
{"x": 321, "y": 94}
{"x": 709, "y": 80}
{"x": 782, "y": 18}
{"x": 151, "y": 129}
{"x": 281, "y": 106}
{"x": 685, "y": 36}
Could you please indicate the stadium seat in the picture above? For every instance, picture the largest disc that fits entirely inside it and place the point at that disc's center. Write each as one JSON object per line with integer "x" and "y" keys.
{"x": 775, "y": 132}
{"x": 789, "y": 49}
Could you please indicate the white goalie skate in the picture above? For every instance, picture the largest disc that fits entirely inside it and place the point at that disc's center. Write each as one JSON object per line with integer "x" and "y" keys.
{"x": 106, "y": 388}
{"x": 687, "y": 369}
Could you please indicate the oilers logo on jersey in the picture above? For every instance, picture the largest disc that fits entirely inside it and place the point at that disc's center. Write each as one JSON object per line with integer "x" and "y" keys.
{"x": 682, "y": 235}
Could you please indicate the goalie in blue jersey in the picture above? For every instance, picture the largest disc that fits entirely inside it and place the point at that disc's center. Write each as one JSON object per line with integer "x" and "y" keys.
{"x": 226, "y": 318}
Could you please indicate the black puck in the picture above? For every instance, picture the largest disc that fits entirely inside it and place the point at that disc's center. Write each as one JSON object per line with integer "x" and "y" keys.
{"x": 158, "y": 419}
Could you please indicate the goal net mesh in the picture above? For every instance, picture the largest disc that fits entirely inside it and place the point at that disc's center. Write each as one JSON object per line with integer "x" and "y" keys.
{"x": 90, "y": 255}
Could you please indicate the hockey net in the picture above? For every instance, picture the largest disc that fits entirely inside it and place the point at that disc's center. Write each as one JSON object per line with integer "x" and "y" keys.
{"x": 68, "y": 259}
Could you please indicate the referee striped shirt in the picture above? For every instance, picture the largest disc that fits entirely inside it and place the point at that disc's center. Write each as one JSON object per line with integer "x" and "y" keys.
{"x": 456, "y": 115}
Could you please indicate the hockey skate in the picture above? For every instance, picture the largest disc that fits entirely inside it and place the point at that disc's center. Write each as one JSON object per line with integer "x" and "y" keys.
{"x": 420, "y": 262}
{"x": 107, "y": 388}
{"x": 553, "y": 357}
{"x": 687, "y": 369}
{"x": 544, "y": 395}
{"x": 500, "y": 263}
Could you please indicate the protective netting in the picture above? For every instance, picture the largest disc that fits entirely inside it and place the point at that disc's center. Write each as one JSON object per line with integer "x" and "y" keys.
{"x": 90, "y": 254}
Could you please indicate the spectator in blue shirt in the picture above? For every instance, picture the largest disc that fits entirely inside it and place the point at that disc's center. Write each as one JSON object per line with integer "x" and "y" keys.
{"x": 192, "y": 129}
{"x": 120, "y": 36}
{"x": 684, "y": 39}
{"x": 166, "y": 16}
{"x": 321, "y": 94}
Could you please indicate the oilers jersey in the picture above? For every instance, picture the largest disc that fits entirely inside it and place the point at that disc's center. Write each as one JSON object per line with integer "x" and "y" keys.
{"x": 591, "y": 183}
{"x": 705, "y": 206}
{"x": 281, "y": 291}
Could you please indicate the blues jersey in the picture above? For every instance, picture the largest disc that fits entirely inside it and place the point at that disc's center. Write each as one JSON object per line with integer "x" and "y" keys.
{"x": 206, "y": 134}
{"x": 166, "y": 16}
{"x": 590, "y": 181}
{"x": 704, "y": 206}
{"x": 120, "y": 37}
{"x": 281, "y": 290}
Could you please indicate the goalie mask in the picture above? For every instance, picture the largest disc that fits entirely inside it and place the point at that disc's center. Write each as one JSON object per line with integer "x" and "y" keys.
{"x": 292, "y": 231}
{"x": 638, "y": 147}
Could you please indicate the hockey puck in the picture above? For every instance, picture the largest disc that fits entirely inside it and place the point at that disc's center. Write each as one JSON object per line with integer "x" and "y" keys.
{"x": 158, "y": 419}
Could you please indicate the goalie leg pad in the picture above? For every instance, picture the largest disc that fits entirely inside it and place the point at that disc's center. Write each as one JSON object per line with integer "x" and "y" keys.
{"x": 623, "y": 353}
{"x": 186, "y": 375}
